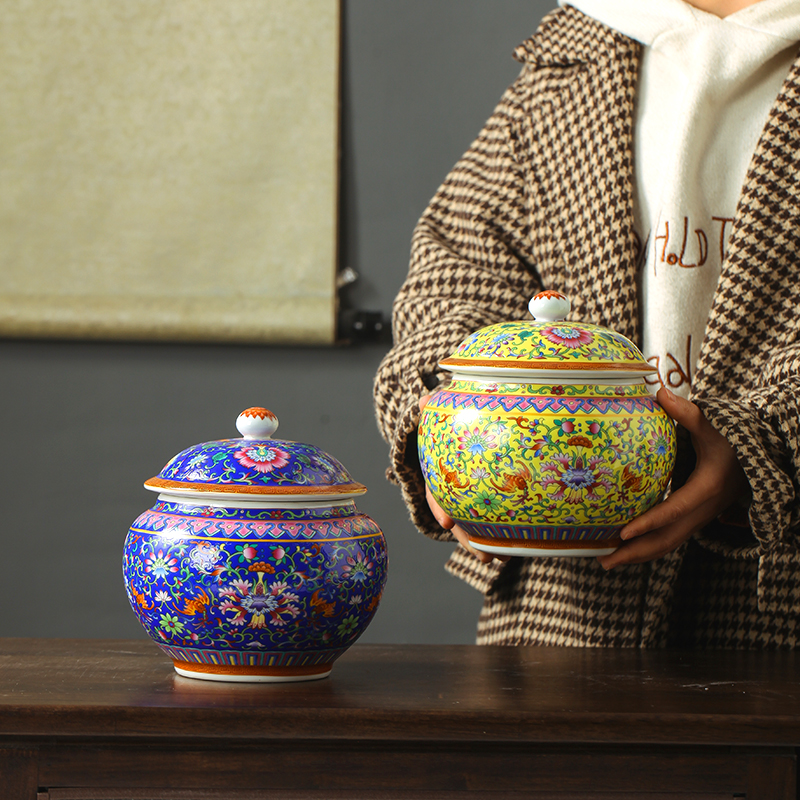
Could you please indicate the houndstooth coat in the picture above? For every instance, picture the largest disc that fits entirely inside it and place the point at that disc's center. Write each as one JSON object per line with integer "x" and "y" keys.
{"x": 543, "y": 198}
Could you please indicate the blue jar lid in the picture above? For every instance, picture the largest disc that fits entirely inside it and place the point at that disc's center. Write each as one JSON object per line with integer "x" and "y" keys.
{"x": 256, "y": 465}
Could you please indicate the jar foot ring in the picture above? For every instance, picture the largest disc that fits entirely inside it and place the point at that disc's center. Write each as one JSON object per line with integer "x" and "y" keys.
{"x": 251, "y": 674}
{"x": 535, "y": 548}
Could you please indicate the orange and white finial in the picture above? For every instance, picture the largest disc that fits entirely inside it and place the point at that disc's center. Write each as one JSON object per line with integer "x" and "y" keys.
{"x": 257, "y": 423}
{"x": 549, "y": 306}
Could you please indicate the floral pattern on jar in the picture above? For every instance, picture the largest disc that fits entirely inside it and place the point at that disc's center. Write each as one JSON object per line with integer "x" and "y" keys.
{"x": 534, "y": 461}
{"x": 237, "y": 586}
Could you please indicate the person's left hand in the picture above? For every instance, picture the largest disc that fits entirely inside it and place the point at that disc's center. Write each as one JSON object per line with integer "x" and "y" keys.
{"x": 716, "y": 482}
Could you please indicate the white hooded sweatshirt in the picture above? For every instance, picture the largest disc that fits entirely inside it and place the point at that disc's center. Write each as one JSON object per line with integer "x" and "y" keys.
{"x": 705, "y": 90}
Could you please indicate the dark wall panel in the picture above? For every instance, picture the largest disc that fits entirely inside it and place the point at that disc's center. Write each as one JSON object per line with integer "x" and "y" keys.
{"x": 84, "y": 424}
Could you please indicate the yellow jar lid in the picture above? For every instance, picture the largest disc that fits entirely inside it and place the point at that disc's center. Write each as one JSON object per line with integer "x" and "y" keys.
{"x": 548, "y": 344}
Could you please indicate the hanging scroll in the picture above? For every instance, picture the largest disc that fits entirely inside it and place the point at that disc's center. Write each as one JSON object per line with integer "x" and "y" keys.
{"x": 168, "y": 169}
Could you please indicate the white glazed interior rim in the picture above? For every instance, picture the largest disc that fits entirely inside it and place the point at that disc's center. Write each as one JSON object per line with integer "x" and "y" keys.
{"x": 546, "y": 376}
{"x": 188, "y": 497}
{"x": 533, "y": 552}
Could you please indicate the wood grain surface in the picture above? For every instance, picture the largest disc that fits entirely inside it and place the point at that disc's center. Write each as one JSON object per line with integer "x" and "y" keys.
{"x": 107, "y": 687}
{"x": 103, "y": 719}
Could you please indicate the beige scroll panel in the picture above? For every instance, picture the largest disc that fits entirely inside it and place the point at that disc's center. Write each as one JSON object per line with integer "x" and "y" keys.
{"x": 168, "y": 169}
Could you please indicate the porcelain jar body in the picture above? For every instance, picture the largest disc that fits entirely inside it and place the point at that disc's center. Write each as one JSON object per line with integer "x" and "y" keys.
{"x": 547, "y": 440}
{"x": 542, "y": 469}
{"x": 246, "y": 586}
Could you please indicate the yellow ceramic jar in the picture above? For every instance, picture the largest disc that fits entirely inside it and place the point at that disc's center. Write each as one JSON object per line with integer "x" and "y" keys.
{"x": 547, "y": 441}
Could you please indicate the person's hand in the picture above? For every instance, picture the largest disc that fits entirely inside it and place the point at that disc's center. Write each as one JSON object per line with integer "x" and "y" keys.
{"x": 716, "y": 482}
{"x": 448, "y": 523}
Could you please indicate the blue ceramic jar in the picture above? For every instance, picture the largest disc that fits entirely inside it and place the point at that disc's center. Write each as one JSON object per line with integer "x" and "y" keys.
{"x": 254, "y": 564}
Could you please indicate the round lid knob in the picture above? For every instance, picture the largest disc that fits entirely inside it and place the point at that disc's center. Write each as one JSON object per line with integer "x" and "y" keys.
{"x": 257, "y": 423}
{"x": 549, "y": 306}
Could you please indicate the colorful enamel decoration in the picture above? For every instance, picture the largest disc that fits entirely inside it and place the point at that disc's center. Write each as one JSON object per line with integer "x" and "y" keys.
{"x": 547, "y": 440}
{"x": 254, "y": 564}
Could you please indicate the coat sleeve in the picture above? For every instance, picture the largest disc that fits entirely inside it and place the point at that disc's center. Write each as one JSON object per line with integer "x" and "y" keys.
{"x": 471, "y": 266}
{"x": 763, "y": 425}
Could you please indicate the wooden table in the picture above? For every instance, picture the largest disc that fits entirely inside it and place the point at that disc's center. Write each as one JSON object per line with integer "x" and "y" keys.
{"x": 110, "y": 719}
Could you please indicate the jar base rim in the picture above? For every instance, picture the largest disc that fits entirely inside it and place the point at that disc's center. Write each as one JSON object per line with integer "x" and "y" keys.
{"x": 553, "y": 548}
{"x": 251, "y": 674}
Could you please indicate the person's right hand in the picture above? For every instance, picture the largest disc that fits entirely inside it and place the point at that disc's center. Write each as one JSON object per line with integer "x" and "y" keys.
{"x": 448, "y": 523}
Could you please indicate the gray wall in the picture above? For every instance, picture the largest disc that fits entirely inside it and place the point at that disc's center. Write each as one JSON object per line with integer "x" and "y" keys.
{"x": 84, "y": 424}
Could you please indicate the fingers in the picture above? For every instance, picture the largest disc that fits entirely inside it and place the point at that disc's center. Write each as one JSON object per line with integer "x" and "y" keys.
{"x": 682, "y": 504}
{"x": 438, "y": 512}
{"x": 686, "y": 511}
{"x": 683, "y": 411}
{"x": 658, "y": 531}
{"x": 716, "y": 482}
{"x": 463, "y": 539}
{"x": 461, "y": 536}
{"x": 448, "y": 523}
{"x": 665, "y": 526}
{"x": 646, "y": 548}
